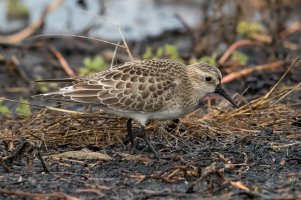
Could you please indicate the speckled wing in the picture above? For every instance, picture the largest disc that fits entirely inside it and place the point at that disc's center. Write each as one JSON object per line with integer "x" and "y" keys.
{"x": 141, "y": 86}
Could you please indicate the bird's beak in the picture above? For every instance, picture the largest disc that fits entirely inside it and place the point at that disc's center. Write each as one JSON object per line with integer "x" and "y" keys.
{"x": 222, "y": 92}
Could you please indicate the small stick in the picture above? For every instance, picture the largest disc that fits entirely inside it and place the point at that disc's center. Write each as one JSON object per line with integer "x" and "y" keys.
{"x": 62, "y": 61}
{"x": 64, "y": 110}
{"x": 11, "y": 159}
{"x": 282, "y": 77}
{"x": 124, "y": 42}
{"x": 233, "y": 47}
{"x": 42, "y": 161}
{"x": 286, "y": 94}
{"x": 15, "y": 101}
{"x": 28, "y": 31}
{"x": 77, "y": 36}
{"x": 245, "y": 72}
{"x": 294, "y": 27}
{"x": 114, "y": 55}
{"x": 23, "y": 194}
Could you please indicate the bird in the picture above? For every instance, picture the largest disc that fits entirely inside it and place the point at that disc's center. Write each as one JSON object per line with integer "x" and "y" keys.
{"x": 144, "y": 90}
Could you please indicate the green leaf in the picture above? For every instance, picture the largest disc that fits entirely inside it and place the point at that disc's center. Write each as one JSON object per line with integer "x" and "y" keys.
{"x": 16, "y": 9}
{"x": 92, "y": 65}
{"x": 23, "y": 108}
{"x": 160, "y": 52}
{"x": 246, "y": 28}
{"x": 167, "y": 51}
{"x": 43, "y": 87}
{"x": 98, "y": 63}
{"x": 87, "y": 62}
{"x": 240, "y": 57}
{"x": 4, "y": 110}
{"x": 209, "y": 59}
{"x": 84, "y": 71}
{"x": 148, "y": 53}
{"x": 172, "y": 51}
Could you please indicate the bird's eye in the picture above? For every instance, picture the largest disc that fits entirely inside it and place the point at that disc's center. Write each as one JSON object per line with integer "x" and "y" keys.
{"x": 208, "y": 78}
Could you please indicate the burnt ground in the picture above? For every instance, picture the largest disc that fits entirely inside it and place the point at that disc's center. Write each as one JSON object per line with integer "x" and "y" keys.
{"x": 216, "y": 153}
{"x": 263, "y": 164}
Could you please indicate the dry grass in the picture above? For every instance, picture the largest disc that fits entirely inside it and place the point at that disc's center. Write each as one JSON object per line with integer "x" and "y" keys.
{"x": 251, "y": 118}
{"x": 58, "y": 126}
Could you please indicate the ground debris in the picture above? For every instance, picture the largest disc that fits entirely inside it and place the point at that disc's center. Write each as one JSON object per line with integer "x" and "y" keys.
{"x": 87, "y": 155}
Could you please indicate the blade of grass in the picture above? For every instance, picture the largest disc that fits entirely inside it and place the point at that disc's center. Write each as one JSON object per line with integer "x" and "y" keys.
{"x": 76, "y": 36}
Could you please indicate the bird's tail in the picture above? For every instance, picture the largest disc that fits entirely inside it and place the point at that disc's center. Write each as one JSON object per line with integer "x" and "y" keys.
{"x": 56, "y": 95}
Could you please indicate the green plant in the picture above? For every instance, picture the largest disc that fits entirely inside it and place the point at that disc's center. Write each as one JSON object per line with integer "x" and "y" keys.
{"x": 23, "y": 108}
{"x": 246, "y": 28}
{"x": 16, "y": 9}
{"x": 42, "y": 86}
{"x": 4, "y": 110}
{"x": 209, "y": 59}
{"x": 172, "y": 52}
{"x": 96, "y": 64}
{"x": 240, "y": 57}
{"x": 148, "y": 53}
{"x": 167, "y": 51}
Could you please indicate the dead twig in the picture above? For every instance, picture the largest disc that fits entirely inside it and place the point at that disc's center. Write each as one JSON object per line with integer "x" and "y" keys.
{"x": 245, "y": 72}
{"x": 62, "y": 61}
{"x": 261, "y": 38}
{"x": 45, "y": 168}
{"x": 77, "y": 36}
{"x": 124, "y": 42}
{"x": 91, "y": 190}
{"x": 212, "y": 170}
{"x": 23, "y": 194}
{"x": 294, "y": 27}
{"x": 209, "y": 170}
{"x": 232, "y": 48}
{"x": 282, "y": 77}
{"x": 114, "y": 55}
{"x": 28, "y": 31}
{"x": 54, "y": 195}
{"x": 285, "y": 145}
{"x": 19, "y": 152}
{"x": 13, "y": 64}
{"x": 4, "y": 165}
{"x": 268, "y": 40}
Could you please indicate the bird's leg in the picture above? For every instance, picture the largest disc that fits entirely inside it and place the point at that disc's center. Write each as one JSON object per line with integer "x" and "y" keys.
{"x": 176, "y": 121}
{"x": 172, "y": 125}
{"x": 129, "y": 137}
{"x": 143, "y": 136}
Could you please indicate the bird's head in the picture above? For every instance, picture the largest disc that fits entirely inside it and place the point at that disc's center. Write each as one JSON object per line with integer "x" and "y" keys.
{"x": 206, "y": 79}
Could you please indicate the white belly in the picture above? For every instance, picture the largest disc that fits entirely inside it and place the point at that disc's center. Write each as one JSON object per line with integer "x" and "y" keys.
{"x": 142, "y": 118}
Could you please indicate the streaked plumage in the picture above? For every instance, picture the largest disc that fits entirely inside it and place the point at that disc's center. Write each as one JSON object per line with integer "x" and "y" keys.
{"x": 145, "y": 90}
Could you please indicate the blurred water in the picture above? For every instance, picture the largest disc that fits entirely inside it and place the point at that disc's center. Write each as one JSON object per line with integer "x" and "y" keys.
{"x": 137, "y": 18}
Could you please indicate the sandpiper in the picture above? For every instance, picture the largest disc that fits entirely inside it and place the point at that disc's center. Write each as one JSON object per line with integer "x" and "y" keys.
{"x": 146, "y": 90}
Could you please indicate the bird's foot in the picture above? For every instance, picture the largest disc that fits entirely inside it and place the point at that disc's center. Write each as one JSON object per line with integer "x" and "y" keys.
{"x": 156, "y": 155}
{"x": 130, "y": 138}
{"x": 144, "y": 137}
